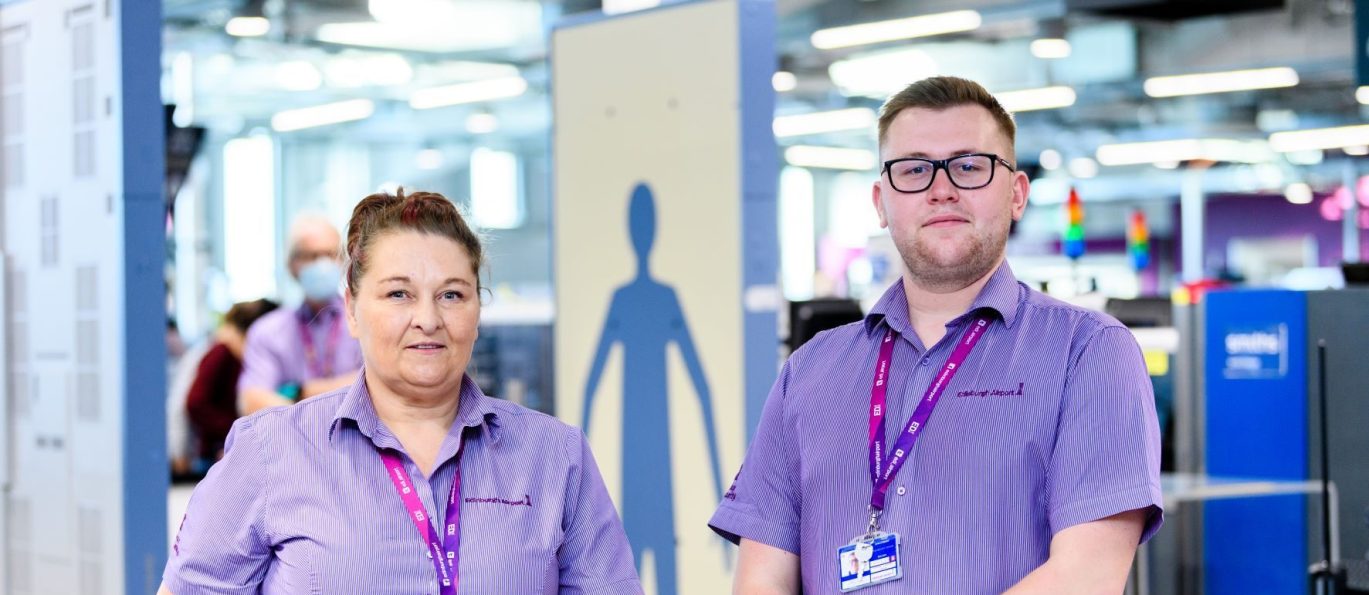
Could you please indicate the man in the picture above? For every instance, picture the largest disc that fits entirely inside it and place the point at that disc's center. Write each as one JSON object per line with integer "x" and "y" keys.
{"x": 970, "y": 435}
{"x": 296, "y": 353}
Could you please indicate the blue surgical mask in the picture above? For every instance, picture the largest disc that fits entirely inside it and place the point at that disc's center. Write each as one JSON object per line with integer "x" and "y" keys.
{"x": 320, "y": 279}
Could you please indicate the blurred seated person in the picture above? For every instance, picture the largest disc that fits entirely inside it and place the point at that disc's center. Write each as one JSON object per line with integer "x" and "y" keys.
{"x": 212, "y": 401}
{"x": 296, "y": 353}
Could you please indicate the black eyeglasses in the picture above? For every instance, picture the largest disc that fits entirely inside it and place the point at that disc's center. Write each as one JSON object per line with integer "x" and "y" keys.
{"x": 967, "y": 172}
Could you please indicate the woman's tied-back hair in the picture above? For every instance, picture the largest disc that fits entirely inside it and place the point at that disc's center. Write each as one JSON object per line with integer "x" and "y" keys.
{"x": 424, "y": 212}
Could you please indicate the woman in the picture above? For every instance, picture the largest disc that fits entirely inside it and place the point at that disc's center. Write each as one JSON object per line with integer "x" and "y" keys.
{"x": 212, "y": 399}
{"x": 339, "y": 493}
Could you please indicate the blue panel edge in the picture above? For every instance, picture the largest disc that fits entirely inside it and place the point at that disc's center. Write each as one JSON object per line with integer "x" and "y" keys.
{"x": 145, "y": 469}
{"x": 759, "y": 180}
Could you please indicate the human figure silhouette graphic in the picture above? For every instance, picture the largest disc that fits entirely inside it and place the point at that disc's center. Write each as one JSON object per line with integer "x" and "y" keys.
{"x": 645, "y": 317}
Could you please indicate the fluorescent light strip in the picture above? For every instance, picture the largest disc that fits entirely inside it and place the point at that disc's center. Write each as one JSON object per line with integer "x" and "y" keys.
{"x": 487, "y": 90}
{"x": 1050, "y": 48}
{"x": 322, "y": 115}
{"x": 1320, "y": 138}
{"x": 247, "y": 26}
{"x": 1168, "y": 151}
{"x": 830, "y": 157}
{"x": 1221, "y": 82}
{"x": 1027, "y": 100}
{"x": 856, "y": 118}
{"x": 881, "y": 31}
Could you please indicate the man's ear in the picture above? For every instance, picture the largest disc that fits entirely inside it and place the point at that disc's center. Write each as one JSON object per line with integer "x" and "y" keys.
{"x": 878, "y": 200}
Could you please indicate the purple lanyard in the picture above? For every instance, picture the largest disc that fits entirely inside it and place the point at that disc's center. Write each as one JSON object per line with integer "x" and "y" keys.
{"x": 904, "y": 445}
{"x": 446, "y": 554}
{"x": 320, "y": 366}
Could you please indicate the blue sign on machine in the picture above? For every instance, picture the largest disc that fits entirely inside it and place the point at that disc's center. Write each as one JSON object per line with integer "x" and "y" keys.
{"x": 1256, "y": 428}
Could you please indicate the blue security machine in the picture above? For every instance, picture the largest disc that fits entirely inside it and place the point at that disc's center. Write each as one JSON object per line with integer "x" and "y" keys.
{"x": 1261, "y": 422}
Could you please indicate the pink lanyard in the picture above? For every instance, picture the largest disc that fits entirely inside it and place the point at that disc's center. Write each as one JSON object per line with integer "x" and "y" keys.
{"x": 320, "y": 365}
{"x": 446, "y": 553}
{"x": 904, "y": 445}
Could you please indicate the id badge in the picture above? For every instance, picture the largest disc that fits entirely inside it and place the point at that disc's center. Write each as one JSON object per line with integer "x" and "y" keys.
{"x": 869, "y": 560}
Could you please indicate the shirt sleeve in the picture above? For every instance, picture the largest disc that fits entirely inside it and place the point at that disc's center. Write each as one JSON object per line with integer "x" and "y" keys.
{"x": 595, "y": 556}
{"x": 763, "y": 503}
{"x": 221, "y": 547}
{"x": 1107, "y": 451}
{"x": 262, "y": 368}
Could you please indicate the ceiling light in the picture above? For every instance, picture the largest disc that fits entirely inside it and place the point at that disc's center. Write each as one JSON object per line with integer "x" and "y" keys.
{"x": 1362, "y": 94}
{"x": 322, "y": 115}
{"x": 1298, "y": 193}
{"x": 830, "y": 157}
{"x": 1083, "y": 167}
{"x": 881, "y": 74}
{"x": 298, "y": 75}
{"x": 856, "y": 118}
{"x": 1050, "y": 160}
{"x": 247, "y": 26}
{"x": 481, "y": 123}
{"x": 1208, "y": 149}
{"x": 487, "y": 90}
{"x": 1320, "y": 138}
{"x": 1050, "y": 49}
{"x": 893, "y": 30}
{"x": 1027, "y": 100}
{"x": 622, "y": 6}
{"x": 1356, "y": 151}
{"x": 784, "y": 81}
{"x": 1221, "y": 82}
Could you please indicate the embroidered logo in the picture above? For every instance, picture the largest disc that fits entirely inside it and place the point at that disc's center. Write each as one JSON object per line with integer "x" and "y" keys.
{"x": 996, "y": 392}
{"x": 526, "y": 501}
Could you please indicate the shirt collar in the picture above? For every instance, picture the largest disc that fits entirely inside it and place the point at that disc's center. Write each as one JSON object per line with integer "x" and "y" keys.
{"x": 1001, "y": 293}
{"x": 474, "y": 410}
{"x": 329, "y": 310}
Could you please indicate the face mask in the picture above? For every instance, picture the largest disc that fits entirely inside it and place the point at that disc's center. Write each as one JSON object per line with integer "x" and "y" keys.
{"x": 320, "y": 279}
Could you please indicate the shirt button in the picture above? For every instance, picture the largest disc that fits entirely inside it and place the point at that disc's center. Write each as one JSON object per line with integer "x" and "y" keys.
{"x": 926, "y": 361}
{"x": 902, "y": 490}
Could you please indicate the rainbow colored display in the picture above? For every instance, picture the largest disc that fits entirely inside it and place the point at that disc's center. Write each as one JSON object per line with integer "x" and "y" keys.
{"x": 1073, "y": 245}
{"x": 1138, "y": 241}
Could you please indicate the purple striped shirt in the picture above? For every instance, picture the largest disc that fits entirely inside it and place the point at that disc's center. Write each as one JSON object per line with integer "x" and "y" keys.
{"x": 301, "y": 503}
{"x": 1050, "y": 423}
{"x": 275, "y": 354}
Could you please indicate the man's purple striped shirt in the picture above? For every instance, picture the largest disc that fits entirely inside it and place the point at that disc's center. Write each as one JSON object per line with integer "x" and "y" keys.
{"x": 1050, "y": 423}
{"x": 301, "y": 503}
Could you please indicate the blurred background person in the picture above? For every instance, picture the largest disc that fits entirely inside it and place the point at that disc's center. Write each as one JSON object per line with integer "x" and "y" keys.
{"x": 296, "y": 353}
{"x": 212, "y": 399}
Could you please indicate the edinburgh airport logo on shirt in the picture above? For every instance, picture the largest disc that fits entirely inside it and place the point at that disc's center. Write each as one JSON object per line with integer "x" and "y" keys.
{"x": 993, "y": 392}
{"x": 526, "y": 501}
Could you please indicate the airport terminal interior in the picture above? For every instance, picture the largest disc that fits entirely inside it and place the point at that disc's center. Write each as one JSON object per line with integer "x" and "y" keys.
{"x": 1197, "y": 171}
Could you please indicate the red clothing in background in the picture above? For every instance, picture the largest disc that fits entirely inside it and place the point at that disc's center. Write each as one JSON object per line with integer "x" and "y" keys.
{"x": 213, "y": 399}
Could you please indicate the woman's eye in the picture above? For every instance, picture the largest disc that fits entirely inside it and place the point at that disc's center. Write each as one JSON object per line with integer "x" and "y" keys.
{"x": 451, "y": 295}
{"x": 398, "y": 293}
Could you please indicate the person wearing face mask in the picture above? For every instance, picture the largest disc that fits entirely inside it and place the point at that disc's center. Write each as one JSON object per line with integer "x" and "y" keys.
{"x": 296, "y": 353}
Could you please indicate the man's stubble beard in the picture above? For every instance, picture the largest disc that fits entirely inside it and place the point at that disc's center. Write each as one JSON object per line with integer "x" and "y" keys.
{"x": 921, "y": 261}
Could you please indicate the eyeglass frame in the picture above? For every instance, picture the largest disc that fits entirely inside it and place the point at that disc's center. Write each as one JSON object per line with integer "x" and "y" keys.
{"x": 944, "y": 164}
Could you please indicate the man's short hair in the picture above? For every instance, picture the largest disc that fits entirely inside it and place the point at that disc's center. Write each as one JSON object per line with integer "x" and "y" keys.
{"x": 943, "y": 92}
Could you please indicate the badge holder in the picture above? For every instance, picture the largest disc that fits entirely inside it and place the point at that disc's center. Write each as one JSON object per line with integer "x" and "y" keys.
{"x": 869, "y": 559}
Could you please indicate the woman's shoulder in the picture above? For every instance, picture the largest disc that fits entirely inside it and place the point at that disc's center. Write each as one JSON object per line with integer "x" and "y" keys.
{"x": 524, "y": 425}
